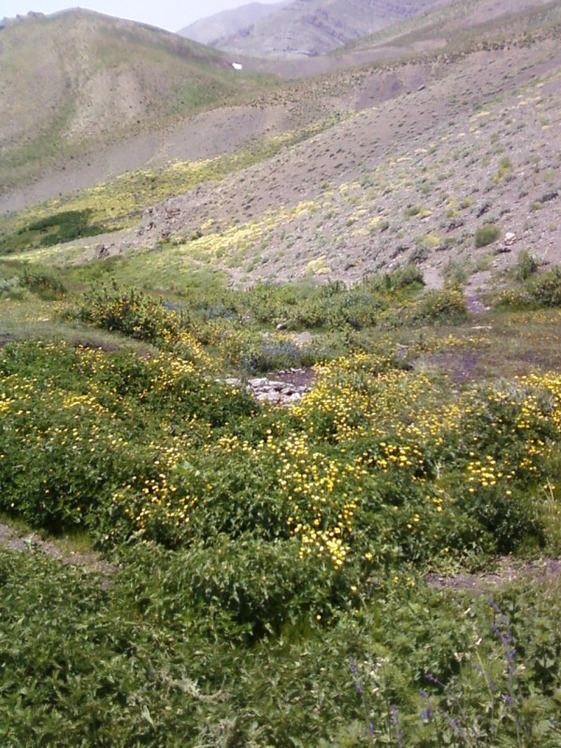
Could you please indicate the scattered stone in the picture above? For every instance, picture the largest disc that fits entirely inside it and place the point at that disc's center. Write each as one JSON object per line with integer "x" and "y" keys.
{"x": 272, "y": 397}
{"x": 277, "y": 392}
{"x": 291, "y": 386}
{"x": 258, "y": 383}
{"x": 233, "y": 382}
{"x": 510, "y": 238}
{"x": 295, "y": 398}
{"x": 483, "y": 209}
{"x": 101, "y": 252}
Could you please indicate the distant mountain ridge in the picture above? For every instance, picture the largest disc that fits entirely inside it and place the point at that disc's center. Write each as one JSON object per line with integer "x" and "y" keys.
{"x": 300, "y": 28}
{"x": 212, "y": 30}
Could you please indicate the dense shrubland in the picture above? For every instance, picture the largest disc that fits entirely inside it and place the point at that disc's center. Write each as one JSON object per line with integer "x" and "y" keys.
{"x": 270, "y": 562}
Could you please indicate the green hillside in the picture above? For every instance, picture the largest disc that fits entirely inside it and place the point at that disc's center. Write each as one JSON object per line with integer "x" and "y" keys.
{"x": 96, "y": 81}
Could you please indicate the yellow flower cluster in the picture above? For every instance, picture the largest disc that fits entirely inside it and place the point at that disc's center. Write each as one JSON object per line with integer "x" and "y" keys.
{"x": 484, "y": 473}
{"x": 157, "y": 499}
{"x": 316, "y": 488}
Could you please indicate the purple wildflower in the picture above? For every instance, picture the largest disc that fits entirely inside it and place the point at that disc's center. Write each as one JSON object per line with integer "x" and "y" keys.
{"x": 354, "y": 671}
{"x": 398, "y": 731}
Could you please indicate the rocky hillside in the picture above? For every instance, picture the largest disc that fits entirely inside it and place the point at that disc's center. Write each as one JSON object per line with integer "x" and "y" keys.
{"x": 301, "y": 28}
{"x": 446, "y": 157}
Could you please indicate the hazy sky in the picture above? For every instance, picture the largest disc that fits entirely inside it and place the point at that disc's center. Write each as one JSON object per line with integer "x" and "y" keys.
{"x": 167, "y": 14}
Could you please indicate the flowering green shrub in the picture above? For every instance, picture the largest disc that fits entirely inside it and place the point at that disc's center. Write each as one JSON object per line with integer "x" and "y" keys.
{"x": 534, "y": 290}
{"x": 132, "y": 313}
{"x": 78, "y": 425}
{"x": 375, "y": 466}
{"x": 269, "y": 561}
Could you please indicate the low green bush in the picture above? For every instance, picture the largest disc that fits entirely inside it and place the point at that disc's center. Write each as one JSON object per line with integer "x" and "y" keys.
{"x": 133, "y": 313}
{"x": 526, "y": 265}
{"x": 487, "y": 234}
{"x": 44, "y": 284}
{"x": 535, "y": 289}
{"x": 11, "y": 287}
{"x": 545, "y": 288}
{"x": 154, "y": 659}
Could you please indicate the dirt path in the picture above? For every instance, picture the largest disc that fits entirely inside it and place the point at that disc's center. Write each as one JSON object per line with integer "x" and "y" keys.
{"x": 89, "y": 561}
{"x": 507, "y": 572}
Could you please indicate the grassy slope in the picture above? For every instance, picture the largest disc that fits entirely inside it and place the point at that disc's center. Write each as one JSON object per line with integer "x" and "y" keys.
{"x": 97, "y": 81}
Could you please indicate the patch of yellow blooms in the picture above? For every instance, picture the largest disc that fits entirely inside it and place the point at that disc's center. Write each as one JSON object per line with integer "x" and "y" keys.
{"x": 360, "y": 396}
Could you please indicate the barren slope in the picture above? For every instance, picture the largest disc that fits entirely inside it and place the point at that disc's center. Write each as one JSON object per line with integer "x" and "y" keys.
{"x": 221, "y": 25}
{"x": 409, "y": 179}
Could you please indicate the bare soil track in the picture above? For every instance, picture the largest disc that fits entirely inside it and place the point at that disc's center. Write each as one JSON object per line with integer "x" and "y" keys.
{"x": 507, "y": 572}
{"x": 89, "y": 561}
